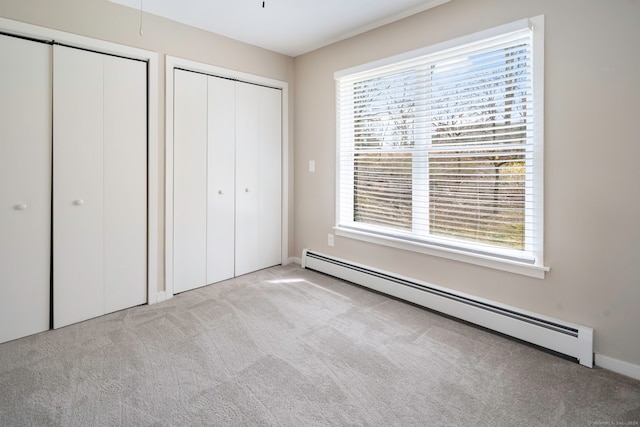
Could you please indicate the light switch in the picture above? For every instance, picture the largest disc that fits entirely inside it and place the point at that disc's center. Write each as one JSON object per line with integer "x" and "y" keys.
{"x": 312, "y": 165}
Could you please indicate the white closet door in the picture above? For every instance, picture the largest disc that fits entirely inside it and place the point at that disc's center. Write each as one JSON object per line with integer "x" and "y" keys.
{"x": 270, "y": 218}
{"x": 221, "y": 179}
{"x": 99, "y": 184}
{"x": 258, "y": 177}
{"x": 77, "y": 186}
{"x": 189, "y": 181}
{"x": 247, "y": 178}
{"x": 25, "y": 187}
{"x": 125, "y": 183}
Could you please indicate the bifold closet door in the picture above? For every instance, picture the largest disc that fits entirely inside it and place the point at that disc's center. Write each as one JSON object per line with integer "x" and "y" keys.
{"x": 227, "y": 179}
{"x": 258, "y": 177}
{"x": 189, "y": 181}
{"x": 221, "y": 179}
{"x": 99, "y": 184}
{"x": 125, "y": 183}
{"x": 270, "y": 218}
{"x": 204, "y": 183}
{"x": 25, "y": 187}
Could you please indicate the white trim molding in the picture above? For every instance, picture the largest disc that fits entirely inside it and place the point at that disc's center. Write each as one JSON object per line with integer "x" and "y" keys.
{"x": 618, "y": 366}
{"x": 527, "y": 260}
{"x": 504, "y": 264}
{"x": 153, "y": 179}
{"x": 171, "y": 63}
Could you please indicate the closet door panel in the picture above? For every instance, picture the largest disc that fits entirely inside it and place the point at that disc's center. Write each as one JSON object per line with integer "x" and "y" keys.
{"x": 125, "y": 183}
{"x": 77, "y": 185}
{"x": 190, "y": 181}
{"x": 221, "y": 180}
{"x": 25, "y": 187}
{"x": 270, "y": 240}
{"x": 247, "y": 178}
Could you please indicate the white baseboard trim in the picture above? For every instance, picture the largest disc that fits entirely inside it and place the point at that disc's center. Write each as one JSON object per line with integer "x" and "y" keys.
{"x": 161, "y": 296}
{"x": 295, "y": 260}
{"x": 618, "y": 366}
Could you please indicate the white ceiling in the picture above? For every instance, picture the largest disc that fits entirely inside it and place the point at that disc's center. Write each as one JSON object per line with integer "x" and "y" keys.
{"x": 291, "y": 27}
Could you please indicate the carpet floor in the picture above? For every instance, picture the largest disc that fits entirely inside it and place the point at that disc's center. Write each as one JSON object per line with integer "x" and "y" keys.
{"x": 290, "y": 347}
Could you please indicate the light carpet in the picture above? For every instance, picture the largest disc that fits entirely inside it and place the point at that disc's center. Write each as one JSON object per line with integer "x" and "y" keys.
{"x": 291, "y": 347}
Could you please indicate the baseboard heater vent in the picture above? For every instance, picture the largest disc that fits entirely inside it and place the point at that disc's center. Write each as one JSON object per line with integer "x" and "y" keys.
{"x": 562, "y": 337}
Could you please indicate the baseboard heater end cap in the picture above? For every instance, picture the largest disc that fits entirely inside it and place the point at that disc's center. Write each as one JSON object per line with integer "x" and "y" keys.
{"x": 585, "y": 346}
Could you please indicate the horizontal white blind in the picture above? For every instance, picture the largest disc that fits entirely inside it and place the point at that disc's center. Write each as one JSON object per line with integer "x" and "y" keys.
{"x": 439, "y": 148}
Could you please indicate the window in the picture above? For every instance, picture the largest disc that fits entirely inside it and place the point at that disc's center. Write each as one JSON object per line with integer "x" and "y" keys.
{"x": 441, "y": 149}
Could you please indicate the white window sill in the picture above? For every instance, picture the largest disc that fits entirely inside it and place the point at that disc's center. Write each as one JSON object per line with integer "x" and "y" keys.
{"x": 497, "y": 263}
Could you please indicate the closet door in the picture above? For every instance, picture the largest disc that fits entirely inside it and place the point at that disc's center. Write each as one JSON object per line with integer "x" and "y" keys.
{"x": 99, "y": 184}
{"x": 221, "y": 179}
{"x": 25, "y": 187}
{"x": 258, "y": 177}
{"x": 247, "y": 254}
{"x": 125, "y": 183}
{"x": 189, "y": 181}
{"x": 78, "y": 252}
{"x": 270, "y": 218}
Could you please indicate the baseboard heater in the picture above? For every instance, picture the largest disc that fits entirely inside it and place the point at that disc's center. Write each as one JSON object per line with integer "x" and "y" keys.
{"x": 569, "y": 339}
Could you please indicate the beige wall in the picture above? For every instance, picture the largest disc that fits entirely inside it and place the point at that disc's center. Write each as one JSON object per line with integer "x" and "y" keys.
{"x": 101, "y": 19}
{"x": 592, "y": 151}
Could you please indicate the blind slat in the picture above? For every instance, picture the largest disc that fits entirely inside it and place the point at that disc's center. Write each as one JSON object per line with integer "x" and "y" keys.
{"x": 442, "y": 145}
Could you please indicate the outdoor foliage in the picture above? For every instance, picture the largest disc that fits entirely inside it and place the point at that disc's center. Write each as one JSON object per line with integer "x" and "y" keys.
{"x": 436, "y": 155}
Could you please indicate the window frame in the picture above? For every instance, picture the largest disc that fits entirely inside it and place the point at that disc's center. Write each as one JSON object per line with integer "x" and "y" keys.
{"x": 496, "y": 259}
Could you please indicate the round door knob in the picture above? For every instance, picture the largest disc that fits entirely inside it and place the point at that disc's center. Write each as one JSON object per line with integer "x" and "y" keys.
{"x": 246, "y": 190}
{"x": 78, "y": 202}
{"x": 21, "y": 206}
{"x": 219, "y": 191}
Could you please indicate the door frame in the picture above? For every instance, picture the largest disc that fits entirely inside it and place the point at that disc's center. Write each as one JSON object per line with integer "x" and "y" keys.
{"x": 37, "y": 33}
{"x": 171, "y": 63}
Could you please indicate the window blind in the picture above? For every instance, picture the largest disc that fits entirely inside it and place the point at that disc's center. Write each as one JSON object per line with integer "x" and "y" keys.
{"x": 439, "y": 149}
